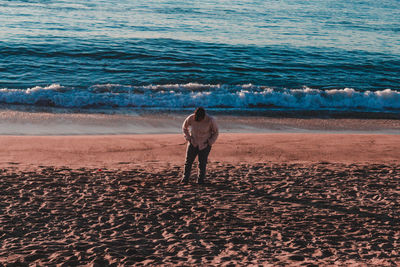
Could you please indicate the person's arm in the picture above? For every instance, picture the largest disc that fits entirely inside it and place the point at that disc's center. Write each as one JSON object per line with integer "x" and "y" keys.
{"x": 214, "y": 133}
{"x": 185, "y": 129}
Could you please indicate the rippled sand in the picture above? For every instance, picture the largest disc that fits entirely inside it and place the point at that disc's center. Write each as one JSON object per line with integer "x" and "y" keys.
{"x": 245, "y": 214}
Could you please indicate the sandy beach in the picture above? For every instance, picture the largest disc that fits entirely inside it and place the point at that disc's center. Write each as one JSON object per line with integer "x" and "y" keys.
{"x": 279, "y": 199}
{"x": 97, "y": 98}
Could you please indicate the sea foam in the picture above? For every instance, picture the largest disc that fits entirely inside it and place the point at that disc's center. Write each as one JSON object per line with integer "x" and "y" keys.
{"x": 181, "y": 96}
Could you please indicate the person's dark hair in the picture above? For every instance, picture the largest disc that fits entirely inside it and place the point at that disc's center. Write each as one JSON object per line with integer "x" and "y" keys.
{"x": 199, "y": 114}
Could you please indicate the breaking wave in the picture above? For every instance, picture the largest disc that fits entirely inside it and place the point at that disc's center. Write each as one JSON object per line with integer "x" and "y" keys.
{"x": 182, "y": 96}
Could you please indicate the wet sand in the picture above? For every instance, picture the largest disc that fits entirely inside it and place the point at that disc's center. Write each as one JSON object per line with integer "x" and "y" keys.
{"x": 270, "y": 199}
{"x": 21, "y": 120}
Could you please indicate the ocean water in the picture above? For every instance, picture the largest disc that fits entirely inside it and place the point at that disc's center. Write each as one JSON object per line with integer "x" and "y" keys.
{"x": 235, "y": 55}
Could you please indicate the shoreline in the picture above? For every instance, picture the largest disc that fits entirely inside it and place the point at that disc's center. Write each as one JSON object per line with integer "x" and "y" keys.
{"x": 25, "y": 123}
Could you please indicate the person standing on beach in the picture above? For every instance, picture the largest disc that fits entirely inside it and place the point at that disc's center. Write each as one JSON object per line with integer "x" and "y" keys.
{"x": 201, "y": 132}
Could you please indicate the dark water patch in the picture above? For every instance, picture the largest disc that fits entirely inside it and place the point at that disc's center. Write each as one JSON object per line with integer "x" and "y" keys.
{"x": 81, "y": 63}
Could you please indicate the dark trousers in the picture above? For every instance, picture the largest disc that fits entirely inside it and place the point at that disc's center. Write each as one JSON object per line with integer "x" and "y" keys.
{"x": 191, "y": 153}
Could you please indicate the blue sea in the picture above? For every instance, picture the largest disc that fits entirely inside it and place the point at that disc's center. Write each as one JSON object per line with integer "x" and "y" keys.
{"x": 174, "y": 55}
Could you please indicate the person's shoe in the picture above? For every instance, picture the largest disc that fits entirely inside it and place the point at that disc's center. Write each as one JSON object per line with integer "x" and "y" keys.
{"x": 184, "y": 181}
